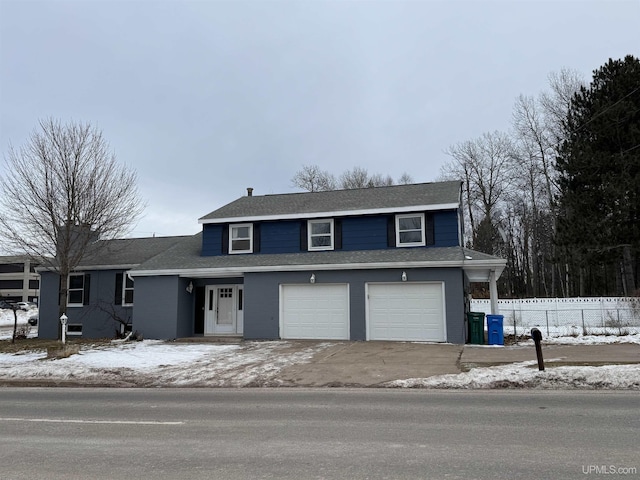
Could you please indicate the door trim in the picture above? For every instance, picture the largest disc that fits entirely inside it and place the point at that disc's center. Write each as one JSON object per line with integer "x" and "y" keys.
{"x": 211, "y": 305}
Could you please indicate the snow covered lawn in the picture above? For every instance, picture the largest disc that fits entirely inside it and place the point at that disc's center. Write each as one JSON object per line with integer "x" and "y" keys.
{"x": 155, "y": 363}
{"x": 527, "y": 375}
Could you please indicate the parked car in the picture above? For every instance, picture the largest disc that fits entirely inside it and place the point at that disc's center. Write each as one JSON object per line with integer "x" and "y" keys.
{"x": 33, "y": 321}
{"x": 26, "y": 305}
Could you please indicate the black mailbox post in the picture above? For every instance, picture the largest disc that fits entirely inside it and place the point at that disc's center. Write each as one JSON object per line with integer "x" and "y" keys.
{"x": 537, "y": 338}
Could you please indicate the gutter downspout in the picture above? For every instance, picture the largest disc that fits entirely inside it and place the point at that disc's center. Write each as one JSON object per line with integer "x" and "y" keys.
{"x": 493, "y": 292}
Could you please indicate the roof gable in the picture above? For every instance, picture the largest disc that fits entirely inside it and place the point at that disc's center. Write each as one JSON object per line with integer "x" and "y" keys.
{"x": 426, "y": 196}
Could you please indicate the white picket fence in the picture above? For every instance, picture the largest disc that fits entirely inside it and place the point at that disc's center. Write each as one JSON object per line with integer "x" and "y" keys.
{"x": 567, "y": 316}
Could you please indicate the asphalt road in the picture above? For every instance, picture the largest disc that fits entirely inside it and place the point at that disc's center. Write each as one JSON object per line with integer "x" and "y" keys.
{"x": 50, "y": 433}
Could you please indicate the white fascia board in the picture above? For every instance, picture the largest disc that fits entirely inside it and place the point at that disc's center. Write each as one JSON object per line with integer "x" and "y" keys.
{"x": 239, "y": 271}
{"x": 86, "y": 268}
{"x": 340, "y": 213}
{"x": 106, "y": 267}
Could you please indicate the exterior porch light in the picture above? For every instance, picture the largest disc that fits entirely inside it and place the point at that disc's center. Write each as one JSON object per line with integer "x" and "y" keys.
{"x": 63, "y": 321}
{"x": 189, "y": 288}
{"x": 313, "y": 278}
{"x": 404, "y": 276}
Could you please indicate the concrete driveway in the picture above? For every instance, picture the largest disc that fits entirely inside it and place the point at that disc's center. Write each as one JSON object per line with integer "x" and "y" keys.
{"x": 367, "y": 364}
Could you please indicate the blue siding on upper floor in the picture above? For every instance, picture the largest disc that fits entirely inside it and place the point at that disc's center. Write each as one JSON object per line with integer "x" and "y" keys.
{"x": 211, "y": 240}
{"x": 367, "y": 232}
{"x": 364, "y": 233}
{"x": 445, "y": 227}
{"x": 280, "y": 237}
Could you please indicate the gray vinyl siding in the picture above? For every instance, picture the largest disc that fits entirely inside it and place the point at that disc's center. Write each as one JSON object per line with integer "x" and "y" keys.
{"x": 262, "y": 309}
{"x": 96, "y": 317}
{"x": 159, "y": 310}
{"x": 48, "y": 306}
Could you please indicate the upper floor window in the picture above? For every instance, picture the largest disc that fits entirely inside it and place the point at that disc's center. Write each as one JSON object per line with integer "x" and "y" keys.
{"x": 127, "y": 290}
{"x": 320, "y": 234}
{"x": 410, "y": 230}
{"x": 241, "y": 238}
{"x": 75, "y": 291}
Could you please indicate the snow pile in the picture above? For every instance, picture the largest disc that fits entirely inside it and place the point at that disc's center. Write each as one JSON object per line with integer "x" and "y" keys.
{"x": 7, "y": 320}
{"x": 6, "y": 317}
{"x": 527, "y": 375}
{"x": 588, "y": 340}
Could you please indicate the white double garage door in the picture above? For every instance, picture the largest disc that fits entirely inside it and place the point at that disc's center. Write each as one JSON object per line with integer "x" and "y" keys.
{"x": 393, "y": 311}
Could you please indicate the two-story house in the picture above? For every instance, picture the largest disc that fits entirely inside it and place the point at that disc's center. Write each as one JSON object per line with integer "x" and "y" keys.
{"x": 383, "y": 263}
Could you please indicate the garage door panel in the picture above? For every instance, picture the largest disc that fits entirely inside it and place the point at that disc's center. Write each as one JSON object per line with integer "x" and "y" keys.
{"x": 315, "y": 312}
{"x": 407, "y": 311}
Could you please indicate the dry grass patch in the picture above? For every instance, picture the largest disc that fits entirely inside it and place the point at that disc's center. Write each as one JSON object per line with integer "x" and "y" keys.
{"x": 38, "y": 344}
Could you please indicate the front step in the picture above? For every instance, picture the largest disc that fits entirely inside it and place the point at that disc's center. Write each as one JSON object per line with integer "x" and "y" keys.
{"x": 211, "y": 339}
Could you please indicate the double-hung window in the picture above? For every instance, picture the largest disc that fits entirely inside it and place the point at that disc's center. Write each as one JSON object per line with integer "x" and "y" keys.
{"x": 241, "y": 238}
{"x": 75, "y": 290}
{"x": 320, "y": 234}
{"x": 410, "y": 230}
{"x": 127, "y": 290}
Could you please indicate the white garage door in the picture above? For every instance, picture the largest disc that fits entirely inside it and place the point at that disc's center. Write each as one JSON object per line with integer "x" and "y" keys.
{"x": 406, "y": 311}
{"x": 314, "y": 312}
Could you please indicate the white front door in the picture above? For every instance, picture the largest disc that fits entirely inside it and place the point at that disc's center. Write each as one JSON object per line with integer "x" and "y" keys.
{"x": 221, "y": 310}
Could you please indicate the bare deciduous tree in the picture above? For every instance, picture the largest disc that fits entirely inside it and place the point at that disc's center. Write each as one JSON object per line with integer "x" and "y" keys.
{"x": 62, "y": 191}
{"x": 556, "y": 101}
{"x": 485, "y": 166}
{"x": 405, "y": 179}
{"x": 358, "y": 177}
{"x": 313, "y": 179}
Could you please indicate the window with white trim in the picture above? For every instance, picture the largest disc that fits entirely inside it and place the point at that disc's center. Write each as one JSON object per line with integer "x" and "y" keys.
{"x": 75, "y": 290}
{"x": 320, "y": 234}
{"x": 127, "y": 290}
{"x": 74, "y": 329}
{"x": 410, "y": 230}
{"x": 241, "y": 238}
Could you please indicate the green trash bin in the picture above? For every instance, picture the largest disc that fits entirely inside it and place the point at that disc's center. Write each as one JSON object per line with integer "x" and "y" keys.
{"x": 476, "y": 327}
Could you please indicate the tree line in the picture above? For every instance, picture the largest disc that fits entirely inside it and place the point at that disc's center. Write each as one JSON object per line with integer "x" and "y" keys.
{"x": 558, "y": 195}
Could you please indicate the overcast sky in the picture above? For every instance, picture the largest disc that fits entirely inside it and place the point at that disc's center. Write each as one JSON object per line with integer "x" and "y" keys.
{"x": 205, "y": 99}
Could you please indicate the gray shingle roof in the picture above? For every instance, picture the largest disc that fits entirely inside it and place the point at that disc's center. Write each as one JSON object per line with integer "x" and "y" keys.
{"x": 397, "y": 196}
{"x": 127, "y": 251}
{"x": 185, "y": 255}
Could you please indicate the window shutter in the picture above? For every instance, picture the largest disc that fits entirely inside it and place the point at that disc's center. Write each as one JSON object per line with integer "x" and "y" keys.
{"x": 303, "y": 236}
{"x": 87, "y": 288}
{"x": 256, "y": 238}
{"x": 118, "y": 298}
{"x": 429, "y": 229}
{"x": 391, "y": 231}
{"x": 225, "y": 239}
{"x": 337, "y": 234}
{"x": 59, "y": 287}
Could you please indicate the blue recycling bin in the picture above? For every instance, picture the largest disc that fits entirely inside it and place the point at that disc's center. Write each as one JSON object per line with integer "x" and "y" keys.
{"x": 495, "y": 329}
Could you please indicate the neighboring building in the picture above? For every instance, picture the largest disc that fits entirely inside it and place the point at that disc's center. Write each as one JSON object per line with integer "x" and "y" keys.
{"x": 19, "y": 281}
{"x": 383, "y": 263}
